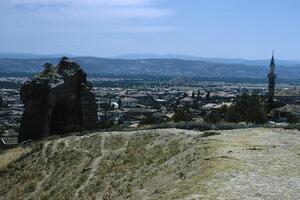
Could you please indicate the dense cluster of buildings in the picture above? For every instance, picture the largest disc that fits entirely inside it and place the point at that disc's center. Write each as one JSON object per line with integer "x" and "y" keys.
{"x": 140, "y": 105}
{"x": 133, "y": 106}
{"x": 11, "y": 110}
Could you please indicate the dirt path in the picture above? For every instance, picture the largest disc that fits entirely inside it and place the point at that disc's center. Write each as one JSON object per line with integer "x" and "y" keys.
{"x": 46, "y": 174}
{"x": 94, "y": 167}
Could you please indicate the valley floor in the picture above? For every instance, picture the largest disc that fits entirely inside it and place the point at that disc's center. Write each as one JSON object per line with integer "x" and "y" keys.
{"x": 156, "y": 164}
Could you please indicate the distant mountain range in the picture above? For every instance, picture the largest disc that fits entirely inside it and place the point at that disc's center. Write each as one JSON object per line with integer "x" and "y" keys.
{"x": 158, "y": 56}
{"x": 216, "y": 60}
{"x": 165, "y": 65}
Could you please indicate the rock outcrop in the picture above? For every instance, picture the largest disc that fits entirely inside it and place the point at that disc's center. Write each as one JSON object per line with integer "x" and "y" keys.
{"x": 57, "y": 101}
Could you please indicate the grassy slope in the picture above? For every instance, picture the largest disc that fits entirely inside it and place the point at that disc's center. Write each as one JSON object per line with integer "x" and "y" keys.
{"x": 156, "y": 164}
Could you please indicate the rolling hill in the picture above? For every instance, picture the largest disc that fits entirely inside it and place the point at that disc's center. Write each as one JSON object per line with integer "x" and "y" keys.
{"x": 153, "y": 67}
{"x": 156, "y": 164}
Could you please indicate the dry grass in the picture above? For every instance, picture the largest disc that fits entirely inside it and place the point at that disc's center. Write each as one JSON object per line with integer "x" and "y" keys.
{"x": 11, "y": 155}
{"x": 157, "y": 164}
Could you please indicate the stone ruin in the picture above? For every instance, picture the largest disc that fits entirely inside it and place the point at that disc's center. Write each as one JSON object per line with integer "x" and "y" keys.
{"x": 57, "y": 101}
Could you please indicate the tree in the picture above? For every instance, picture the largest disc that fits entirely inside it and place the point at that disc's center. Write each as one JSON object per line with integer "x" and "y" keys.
{"x": 248, "y": 108}
{"x": 120, "y": 103}
{"x": 223, "y": 110}
{"x": 48, "y": 67}
{"x": 291, "y": 119}
{"x": 148, "y": 120}
{"x": 64, "y": 59}
{"x": 198, "y": 93}
{"x": 1, "y": 102}
{"x": 232, "y": 115}
{"x": 256, "y": 115}
{"x": 195, "y": 104}
{"x": 181, "y": 115}
{"x": 241, "y": 105}
{"x": 106, "y": 124}
{"x": 193, "y": 94}
{"x": 207, "y": 97}
{"x": 213, "y": 117}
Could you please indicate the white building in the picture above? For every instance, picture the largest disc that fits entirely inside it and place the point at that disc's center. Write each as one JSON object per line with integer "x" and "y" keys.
{"x": 129, "y": 102}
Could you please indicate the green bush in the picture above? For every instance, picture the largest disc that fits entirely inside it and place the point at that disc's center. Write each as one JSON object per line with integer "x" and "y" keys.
{"x": 247, "y": 108}
{"x": 291, "y": 119}
{"x": 106, "y": 124}
{"x": 213, "y": 117}
{"x": 230, "y": 126}
{"x": 256, "y": 115}
{"x": 293, "y": 126}
{"x": 181, "y": 115}
{"x": 232, "y": 115}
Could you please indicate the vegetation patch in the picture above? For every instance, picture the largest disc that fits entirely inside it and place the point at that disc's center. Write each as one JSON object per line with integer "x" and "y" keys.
{"x": 9, "y": 156}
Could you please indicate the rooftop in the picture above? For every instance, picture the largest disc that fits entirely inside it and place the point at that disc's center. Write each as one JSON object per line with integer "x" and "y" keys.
{"x": 288, "y": 92}
{"x": 289, "y": 108}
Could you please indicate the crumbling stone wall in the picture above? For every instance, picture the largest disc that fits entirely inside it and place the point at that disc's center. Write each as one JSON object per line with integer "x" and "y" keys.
{"x": 57, "y": 101}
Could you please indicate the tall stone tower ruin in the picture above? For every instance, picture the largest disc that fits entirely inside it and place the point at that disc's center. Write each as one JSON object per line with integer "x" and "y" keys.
{"x": 57, "y": 101}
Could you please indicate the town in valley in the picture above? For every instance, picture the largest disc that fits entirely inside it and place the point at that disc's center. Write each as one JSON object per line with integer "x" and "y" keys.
{"x": 160, "y": 102}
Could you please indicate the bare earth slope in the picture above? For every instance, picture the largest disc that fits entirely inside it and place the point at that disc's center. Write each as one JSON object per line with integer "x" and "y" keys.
{"x": 156, "y": 164}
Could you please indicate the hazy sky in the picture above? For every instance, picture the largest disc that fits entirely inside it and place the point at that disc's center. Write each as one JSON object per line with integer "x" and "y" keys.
{"x": 208, "y": 28}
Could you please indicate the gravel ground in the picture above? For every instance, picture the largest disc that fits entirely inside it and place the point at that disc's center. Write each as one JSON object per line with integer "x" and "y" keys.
{"x": 268, "y": 165}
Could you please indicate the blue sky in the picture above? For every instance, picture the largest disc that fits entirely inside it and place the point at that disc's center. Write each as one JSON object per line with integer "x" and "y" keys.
{"x": 210, "y": 28}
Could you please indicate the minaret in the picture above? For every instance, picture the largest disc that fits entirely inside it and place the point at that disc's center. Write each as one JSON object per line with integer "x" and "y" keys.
{"x": 272, "y": 77}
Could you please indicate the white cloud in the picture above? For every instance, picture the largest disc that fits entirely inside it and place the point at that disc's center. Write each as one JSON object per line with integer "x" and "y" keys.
{"x": 118, "y": 8}
{"x": 83, "y": 2}
{"x": 138, "y": 15}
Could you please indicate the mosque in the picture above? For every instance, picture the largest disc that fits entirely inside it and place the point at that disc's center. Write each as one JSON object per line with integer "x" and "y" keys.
{"x": 286, "y": 101}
